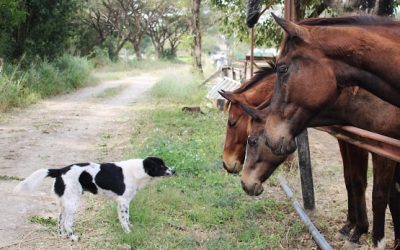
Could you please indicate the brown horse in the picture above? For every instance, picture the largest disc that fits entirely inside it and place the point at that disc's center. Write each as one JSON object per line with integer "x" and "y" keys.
{"x": 253, "y": 92}
{"x": 319, "y": 58}
{"x": 355, "y": 160}
{"x": 261, "y": 162}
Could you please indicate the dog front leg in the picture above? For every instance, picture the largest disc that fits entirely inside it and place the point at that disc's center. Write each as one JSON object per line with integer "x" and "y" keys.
{"x": 123, "y": 215}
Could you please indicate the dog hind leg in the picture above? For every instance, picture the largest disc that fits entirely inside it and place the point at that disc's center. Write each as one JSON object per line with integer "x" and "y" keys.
{"x": 70, "y": 206}
{"x": 123, "y": 214}
{"x": 61, "y": 221}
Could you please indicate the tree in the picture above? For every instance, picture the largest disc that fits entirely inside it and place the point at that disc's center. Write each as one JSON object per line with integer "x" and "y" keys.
{"x": 115, "y": 22}
{"x": 233, "y": 23}
{"x": 165, "y": 22}
{"x": 41, "y": 28}
{"x": 12, "y": 15}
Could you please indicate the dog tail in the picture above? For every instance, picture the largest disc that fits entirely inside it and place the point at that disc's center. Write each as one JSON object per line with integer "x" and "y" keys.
{"x": 33, "y": 181}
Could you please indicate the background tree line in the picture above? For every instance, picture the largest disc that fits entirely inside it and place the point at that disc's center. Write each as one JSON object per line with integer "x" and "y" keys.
{"x": 50, "y": 28}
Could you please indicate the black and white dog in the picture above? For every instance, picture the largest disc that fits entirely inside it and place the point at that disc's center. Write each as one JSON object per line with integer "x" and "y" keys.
{"x": 119, "y": 180}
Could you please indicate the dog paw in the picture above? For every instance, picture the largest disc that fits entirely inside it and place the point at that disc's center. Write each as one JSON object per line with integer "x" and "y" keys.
{"x": 348, "y": 245}
{"x": 74, "y": 238}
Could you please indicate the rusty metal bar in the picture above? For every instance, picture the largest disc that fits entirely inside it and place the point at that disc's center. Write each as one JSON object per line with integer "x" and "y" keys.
{"x": 376, "y": 143}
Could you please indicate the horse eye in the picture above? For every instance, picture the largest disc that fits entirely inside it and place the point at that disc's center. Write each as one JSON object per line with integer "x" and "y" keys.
{"x": 282, "y": 69}
{"x": 232, "y": 123}
{"x": 252, "y": 141}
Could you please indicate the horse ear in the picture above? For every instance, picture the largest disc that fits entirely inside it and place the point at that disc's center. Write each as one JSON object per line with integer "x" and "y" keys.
{"x": 252, "y": 112}
{"x": 228, "y": 96}
{"x": 292, "y": 29}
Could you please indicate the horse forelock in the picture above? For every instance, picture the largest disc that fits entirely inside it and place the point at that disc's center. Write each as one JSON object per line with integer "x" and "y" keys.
{"x": 256, "y": 79}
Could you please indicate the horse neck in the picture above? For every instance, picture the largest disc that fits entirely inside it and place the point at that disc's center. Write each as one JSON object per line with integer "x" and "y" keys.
{"x": 260, "y": 92}
{"x": 359, "y": 109}
{"x": 367, "y": 48}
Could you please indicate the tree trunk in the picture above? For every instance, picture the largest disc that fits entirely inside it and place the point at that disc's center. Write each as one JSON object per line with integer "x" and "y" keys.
{"x": 138, "y": 52}
{"x": 196, "y": 35}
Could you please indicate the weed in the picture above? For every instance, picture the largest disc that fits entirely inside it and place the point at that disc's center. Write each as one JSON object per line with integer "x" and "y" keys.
{"x": 10, "y": 178}
{"x": 47, "y": 222}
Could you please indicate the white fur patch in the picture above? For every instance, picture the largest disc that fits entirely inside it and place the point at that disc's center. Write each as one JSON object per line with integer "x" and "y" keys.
{"x": 350, "y": 245}
{"x": 397, "y": 185}
{"x": 381, "y": 244}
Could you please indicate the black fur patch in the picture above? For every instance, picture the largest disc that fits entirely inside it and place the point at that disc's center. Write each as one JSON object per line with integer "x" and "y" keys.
{"x": 58, "y": 172}
{"x": 154, "y": 166}
{"x": 59, "y": 186}
{"x": 110, "y": 177}
{"x": 86, "y": 181}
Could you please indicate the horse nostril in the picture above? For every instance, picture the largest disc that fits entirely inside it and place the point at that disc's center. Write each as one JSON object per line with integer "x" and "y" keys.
{"x": 243, "y": 186}
{"x": 224, "y": 165}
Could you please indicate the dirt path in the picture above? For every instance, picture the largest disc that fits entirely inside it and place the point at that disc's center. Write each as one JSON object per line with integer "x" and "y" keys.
{"x": 92, "y": 124}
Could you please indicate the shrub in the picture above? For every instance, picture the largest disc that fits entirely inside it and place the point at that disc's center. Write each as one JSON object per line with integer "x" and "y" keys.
{"x": 74, "y": 70}
{"x": 22, "y": 87}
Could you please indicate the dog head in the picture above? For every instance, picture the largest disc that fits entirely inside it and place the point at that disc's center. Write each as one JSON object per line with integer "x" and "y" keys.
{"x": 155, "y": 167}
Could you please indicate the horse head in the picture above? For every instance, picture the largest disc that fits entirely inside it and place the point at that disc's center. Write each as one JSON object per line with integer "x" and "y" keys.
{"x": 259, "y": 162}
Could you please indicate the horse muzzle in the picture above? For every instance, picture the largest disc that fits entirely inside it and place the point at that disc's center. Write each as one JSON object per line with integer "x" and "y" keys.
{"x": 254, "y": 190}
{"x": 233, "y": 168}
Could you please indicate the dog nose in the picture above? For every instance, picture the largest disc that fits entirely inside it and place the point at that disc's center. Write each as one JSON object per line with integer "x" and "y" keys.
{"x": 173, "y": 171}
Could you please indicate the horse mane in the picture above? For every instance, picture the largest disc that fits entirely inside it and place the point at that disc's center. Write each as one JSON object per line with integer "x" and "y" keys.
{"x": 363, "y": 20}
{"x": 258, "y": 75}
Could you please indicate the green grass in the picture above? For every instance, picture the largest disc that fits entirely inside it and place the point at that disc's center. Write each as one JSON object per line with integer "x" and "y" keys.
{"x": 178, "y": 88}
{"x": 47, "y": 222}
{"x": 10, "y": 178}
{"x": 202, "y": 207}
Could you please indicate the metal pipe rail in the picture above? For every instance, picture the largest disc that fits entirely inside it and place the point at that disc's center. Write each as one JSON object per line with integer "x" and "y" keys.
{"x": 375, "y": 143}
{"x": 317, "y": 236}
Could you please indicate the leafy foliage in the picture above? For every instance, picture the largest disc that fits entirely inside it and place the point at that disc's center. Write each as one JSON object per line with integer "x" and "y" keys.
{"x": 234, "y": 23}
{"x": 36, "y": 27}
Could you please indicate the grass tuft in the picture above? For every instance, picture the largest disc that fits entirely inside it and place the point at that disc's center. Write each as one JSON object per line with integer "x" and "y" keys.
{"x": 10, "y": 178}
{"x": 47, "y": 222}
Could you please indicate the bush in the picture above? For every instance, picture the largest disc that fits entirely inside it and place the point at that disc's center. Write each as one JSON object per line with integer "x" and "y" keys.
{"x": 22, "y": 87}
{"x": 43, "y": 79}
{"x": 74, "y": 70}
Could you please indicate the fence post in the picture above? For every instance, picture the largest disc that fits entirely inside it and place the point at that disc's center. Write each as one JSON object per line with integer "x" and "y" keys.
{"x": 224, "y": 71}
{"x": 307, "y": 185}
